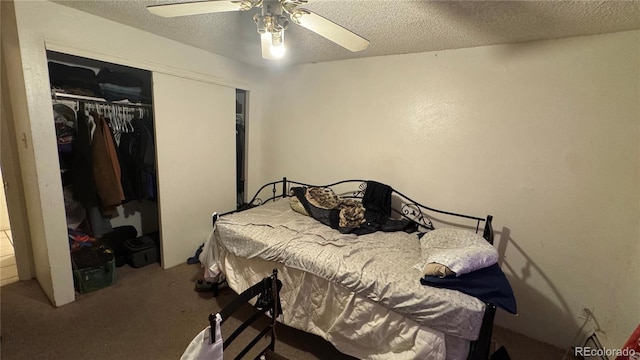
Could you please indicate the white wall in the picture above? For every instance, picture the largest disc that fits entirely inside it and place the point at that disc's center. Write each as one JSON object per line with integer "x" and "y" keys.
{"x": 43, "y": 24}
{"x": 544, "y": 135}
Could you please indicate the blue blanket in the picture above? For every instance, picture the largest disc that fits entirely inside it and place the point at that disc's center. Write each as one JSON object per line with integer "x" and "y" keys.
{"x": 488, "y": 284}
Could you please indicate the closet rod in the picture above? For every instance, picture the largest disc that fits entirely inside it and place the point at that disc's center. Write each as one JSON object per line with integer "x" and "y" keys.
{"x": 56, "y": 95}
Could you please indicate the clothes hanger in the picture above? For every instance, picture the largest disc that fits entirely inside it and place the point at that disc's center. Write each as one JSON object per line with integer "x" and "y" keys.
{"x": 113, "y": 118}
{"x": 132, "y": 115}
{"x": 121, "y": 123}
{"x": 120, "y": 117}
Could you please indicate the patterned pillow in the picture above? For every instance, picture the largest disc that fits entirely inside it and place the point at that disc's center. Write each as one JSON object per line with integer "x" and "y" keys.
{"x": 322, "y": 197}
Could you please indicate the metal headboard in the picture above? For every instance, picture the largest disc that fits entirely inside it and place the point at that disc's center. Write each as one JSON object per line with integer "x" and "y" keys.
{"x": 404, "y": 205}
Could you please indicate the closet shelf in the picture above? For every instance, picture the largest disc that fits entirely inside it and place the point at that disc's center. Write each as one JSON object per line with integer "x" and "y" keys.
{"x": 60, "y": 95}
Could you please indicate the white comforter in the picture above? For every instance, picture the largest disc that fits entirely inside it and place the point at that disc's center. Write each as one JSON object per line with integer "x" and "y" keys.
{"x": 378, "y": 267}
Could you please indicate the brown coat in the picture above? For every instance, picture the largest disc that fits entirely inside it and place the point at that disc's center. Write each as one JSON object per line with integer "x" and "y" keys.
{"x": 106, "y": 169}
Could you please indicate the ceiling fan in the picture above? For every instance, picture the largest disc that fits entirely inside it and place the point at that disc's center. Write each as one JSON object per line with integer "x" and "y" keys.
{"x": 271, "y": 22}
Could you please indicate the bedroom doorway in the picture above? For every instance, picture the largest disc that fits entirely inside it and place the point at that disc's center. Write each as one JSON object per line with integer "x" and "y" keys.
{"x": 241, "y": 147}
{"x": 8, "y": 267}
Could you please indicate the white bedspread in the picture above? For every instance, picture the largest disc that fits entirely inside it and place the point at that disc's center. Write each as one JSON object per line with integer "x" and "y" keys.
{"x": 354, "y": 325}
{"x": 378, "y": 267}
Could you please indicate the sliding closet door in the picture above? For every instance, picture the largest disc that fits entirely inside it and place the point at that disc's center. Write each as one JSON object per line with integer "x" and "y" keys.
{"x": 195, "y": 135}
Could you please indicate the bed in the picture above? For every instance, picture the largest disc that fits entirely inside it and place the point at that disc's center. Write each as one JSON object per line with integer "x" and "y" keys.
{"x": 358, "y": 287}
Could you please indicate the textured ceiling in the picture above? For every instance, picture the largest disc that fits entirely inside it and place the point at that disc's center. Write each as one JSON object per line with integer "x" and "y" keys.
{"x": 392, "y": 26}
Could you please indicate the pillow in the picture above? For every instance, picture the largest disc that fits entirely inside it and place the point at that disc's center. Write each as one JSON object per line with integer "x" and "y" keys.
{"x": 460, "y": 250}
{"x": 322, "y": 197}
{"x": 296, "y": 205}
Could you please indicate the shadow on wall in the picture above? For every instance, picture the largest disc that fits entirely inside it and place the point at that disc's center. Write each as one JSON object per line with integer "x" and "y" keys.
{"x": 542, "y": 315}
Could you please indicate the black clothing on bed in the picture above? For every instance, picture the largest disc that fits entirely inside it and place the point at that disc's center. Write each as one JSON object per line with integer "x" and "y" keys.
{"x": 331, "y": 218}
{"x": 377, "y": 202}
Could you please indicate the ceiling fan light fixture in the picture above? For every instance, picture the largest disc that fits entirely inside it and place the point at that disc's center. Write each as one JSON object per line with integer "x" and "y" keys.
{"x": 260, "y": 23}
{"x": 277, "y": 48}
{"x": 277, "y": 51}
{"x": 277, "y": 38}
{"x": 271, "y": 22}
{"x": 266, "y": 43}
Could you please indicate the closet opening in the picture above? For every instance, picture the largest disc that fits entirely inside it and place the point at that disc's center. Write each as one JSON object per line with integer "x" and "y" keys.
{"x": 241, "y": 147}
{"x": 8, "y": 267}
{"x": 103, "y": 116}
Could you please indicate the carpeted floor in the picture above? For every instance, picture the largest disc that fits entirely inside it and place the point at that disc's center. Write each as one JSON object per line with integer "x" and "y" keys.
{"x": 152, "y": 313}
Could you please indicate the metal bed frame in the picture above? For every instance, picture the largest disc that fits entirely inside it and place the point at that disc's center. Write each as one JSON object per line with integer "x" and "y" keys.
{"x": 404, "y": 207}
{"x": 268, "y": 293}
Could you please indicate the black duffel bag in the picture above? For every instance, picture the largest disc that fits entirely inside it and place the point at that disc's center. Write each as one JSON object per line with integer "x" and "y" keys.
{"x": 115, "y": 240}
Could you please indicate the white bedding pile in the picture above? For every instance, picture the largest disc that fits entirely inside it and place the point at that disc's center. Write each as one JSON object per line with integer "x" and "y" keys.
{"x": 374, "y": 270}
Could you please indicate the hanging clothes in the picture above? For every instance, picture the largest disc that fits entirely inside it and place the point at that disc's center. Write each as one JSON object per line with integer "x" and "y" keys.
{"x": 65, "y": 121}
{"x": 137, "y": 154}
{"x": 84, "y": 186}
{"x": 126, "y": 167}
{"x": 106, "y": 168}
{"x": 149, "y": 160}
{"x": 129, "y": 164}
{"x": 112, "y": 156}
{"x": 93, "y": 166}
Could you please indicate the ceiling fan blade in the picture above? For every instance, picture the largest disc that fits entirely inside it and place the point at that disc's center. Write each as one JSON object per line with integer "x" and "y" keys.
{"x": 194, "y": 8}
{"x": 330, "y": 30}
{"x": 265, "y": 39}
